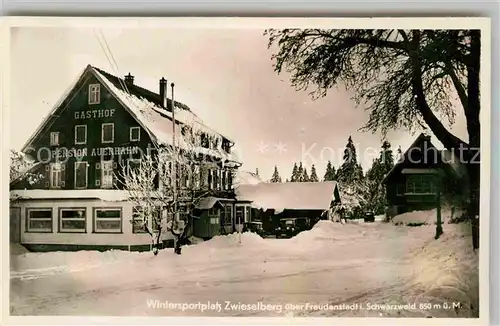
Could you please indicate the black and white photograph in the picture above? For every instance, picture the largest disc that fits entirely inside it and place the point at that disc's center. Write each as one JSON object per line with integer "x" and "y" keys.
{"x": 244, "y": 167}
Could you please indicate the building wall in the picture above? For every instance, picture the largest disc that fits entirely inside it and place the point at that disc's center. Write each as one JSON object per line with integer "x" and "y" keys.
{"x": 89, "y": 239}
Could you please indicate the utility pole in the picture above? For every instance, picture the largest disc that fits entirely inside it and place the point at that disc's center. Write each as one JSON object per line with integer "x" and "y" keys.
{"x": 439, "y": 227}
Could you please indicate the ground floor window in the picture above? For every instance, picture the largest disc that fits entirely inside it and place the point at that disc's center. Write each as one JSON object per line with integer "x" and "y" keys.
{"x": 227, "y": 215}
{"x": 214, "y": 220}
{"x": 107, "y": 220}
{"x": 39, "y": 220}
{"x": 140, "y": 219}
{"x": 420, "y": 184}
{"x": 72, "y": 220}
{"x": 240, "y": 215}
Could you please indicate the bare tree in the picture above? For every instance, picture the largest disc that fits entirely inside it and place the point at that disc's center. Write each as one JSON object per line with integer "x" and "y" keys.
{"x": 405, "y": 79}
{"x": 20, "y": 168}
{"x": 167, "y": 182}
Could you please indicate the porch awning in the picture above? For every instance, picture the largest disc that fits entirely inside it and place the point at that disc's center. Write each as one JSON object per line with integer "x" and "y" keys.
{"x": 209, "y": 202}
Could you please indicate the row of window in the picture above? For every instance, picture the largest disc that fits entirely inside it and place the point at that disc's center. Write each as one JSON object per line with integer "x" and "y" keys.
{"x": 242, "y": 214}
{"x": 110, "y": 220}
{"x": 107, "y": 134}
{"x": 215, "y": 179}
{"x": 417, "y": 184}
{"x": 74, "y": 220}
{"x": 104, "y": 180}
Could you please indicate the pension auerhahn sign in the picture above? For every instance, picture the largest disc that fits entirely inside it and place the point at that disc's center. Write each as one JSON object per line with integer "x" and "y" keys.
{"x": 99, "y": 151}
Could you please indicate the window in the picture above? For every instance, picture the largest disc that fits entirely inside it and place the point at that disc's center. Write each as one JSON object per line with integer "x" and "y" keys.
{"x": 107, "y": 220}
{"x": 214, "y": 221}
{"x": 107, "y": 174}
{"x": 80, "y": 134}
{"x": 139, "y": 220}
{"x": 39, "y": 220}
{"x": 56, "y": 180}
{"x": 227, "y": 215}
{"x": 133, "y": 164}
{"x": 72, "y": 220}
{"x": 94, "y": 94}
{"x": 135, "y": 133}
{"x": 54, "y": 138}
{"x": 240, "y": 214}
{"x": 248, "y": 213}
{"x": 81, "y": 175}
{"x": 108, "y": 132}
{"x": 420, "y": 184}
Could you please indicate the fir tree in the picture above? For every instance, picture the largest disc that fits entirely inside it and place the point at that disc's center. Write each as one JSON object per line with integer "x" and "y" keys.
{"x": 305, "y": 177}
{"x": 313, "y": 177}
{"x": 276, "y": 176}
{"x": 300, "y": 173}
{"x": 295, "y": 173}
{"x": 349, "y": 170}
{"x": 330, "y": 172}
{"x": 380, "y": 167}
{"x": 287, "y": 180}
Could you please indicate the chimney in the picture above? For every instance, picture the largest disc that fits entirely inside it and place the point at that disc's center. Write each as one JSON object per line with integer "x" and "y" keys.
{"x": 163, "y": 92}
{"x": 129, "y": 79}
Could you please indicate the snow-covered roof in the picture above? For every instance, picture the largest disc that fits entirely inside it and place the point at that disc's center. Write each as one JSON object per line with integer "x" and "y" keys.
{"x": 209, "y": 202}
{"x": 288, "y": 195}
{"x": 245, "y": 178}
{"x": 146, "y": 107}
{"x": 102, "y": 194}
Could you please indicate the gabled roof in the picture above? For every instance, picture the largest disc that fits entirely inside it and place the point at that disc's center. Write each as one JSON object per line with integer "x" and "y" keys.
{"x": 245, "y": 178}
{"x": 289, "y": 195}
{"x": 445, "y": 155}
{"x": 146, "y": 107}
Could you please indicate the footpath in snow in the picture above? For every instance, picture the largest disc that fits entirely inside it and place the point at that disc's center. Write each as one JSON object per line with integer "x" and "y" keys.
{"x": 352, "y": 269}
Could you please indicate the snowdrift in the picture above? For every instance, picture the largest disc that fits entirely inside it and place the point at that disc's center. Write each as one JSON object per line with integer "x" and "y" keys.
{"x": 447, "y": 270}
{"x": 427, "y": 217}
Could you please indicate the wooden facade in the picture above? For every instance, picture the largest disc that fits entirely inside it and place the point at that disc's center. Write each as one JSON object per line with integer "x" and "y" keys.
{"x": 91, "y": 135}
{"x": 422, "y": 172}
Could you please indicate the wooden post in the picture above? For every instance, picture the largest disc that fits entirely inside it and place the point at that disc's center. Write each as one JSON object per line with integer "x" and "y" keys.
{"x": 439, "y": 227}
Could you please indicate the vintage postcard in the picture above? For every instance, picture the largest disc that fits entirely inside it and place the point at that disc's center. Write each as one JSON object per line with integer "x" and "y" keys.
{"x": 246, "y": 170}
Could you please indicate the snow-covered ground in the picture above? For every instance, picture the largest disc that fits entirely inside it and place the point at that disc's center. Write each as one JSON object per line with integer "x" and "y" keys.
{"x": 343, "y": 269}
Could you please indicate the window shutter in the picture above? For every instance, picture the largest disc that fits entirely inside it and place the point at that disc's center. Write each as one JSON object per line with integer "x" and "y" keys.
{"x": 98, "y": 166}
{"x": 47, "y": 168}
{"x": 209, "y": 179}
{"x": 47, "y": 176}
{"x": 62, "y": 182}
{"x": 97, "y": 182}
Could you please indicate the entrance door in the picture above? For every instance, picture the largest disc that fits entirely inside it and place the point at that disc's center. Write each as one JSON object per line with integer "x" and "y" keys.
{"x": 15, "y": 224}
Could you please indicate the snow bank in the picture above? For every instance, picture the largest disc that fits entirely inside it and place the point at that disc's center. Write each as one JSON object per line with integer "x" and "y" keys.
{"x": 423, "y": 217}
{"x": 231, "y": 240}
{"x": 29, "y": 264}
{"x": 447, "y": 270}
{"x": 332, "y": 231}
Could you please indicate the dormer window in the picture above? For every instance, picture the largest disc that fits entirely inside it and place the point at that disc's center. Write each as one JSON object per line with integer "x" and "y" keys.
{"x": 54, "y": 138}
{"x": 135, "y": 133}
{"x": 94, "y": 94}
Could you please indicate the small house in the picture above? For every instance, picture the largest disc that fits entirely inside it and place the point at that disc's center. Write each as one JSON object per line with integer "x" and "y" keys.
{"x": 421, "y": 173}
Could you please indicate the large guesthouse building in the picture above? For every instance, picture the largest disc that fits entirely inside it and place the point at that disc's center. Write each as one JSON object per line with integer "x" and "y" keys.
{"x": 101, "y": 126}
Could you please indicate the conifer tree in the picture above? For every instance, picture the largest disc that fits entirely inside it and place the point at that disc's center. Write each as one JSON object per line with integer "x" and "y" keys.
{"x": 330, "y": 172}
{"x": 257, "y": 171}
{"x": 300, "y": 173}
{"x": 295, "y": 173}
{"x": 276, "y": 176}
{"x": 349, "y": 170}
{"x": 314, "y": 176}
{"x": 305, "y": 177}
{"x": 376, "y": 195}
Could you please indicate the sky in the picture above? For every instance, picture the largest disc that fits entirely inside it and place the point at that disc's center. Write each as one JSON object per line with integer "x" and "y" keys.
{"x": 225, "y": 76}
